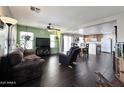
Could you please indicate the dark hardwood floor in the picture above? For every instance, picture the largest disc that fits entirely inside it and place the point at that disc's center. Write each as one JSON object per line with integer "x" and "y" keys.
{"x": 82, "y": 75}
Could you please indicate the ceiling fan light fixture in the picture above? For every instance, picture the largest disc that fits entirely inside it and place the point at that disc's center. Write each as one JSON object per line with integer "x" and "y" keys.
{"x": 35, "y": 9}
{"x": 51, "y": 28}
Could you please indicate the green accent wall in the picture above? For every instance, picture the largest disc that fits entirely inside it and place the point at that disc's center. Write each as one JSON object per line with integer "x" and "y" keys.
{"x": 38, "y": 32}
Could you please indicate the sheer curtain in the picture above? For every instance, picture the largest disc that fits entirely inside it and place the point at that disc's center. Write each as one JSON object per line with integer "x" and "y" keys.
{"x": 67, "y": 42}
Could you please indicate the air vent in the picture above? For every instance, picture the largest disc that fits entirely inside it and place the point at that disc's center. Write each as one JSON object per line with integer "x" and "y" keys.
{"x": 35, "y": 9}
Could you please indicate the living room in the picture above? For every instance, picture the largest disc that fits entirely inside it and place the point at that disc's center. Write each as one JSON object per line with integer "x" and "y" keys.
{"x": 51, "y": 46}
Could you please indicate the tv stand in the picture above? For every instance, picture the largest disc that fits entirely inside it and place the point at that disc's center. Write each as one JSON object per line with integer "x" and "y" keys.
{"x": 43, "y": 51}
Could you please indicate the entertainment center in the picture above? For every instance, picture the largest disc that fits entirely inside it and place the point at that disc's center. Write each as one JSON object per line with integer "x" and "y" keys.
{"x": 43, "y": 47}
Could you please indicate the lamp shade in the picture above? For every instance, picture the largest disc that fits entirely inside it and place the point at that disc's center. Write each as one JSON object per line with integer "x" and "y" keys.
{"x": 8, "y": 20}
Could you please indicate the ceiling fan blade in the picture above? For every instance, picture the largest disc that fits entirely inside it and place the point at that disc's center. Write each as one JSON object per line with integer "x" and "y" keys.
{"x": 51, "y": 27}
{"x": 56, "y": 29}
{"x": 48, "y": 27}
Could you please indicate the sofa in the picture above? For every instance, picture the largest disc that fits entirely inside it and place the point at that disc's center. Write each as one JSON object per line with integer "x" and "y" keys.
{"x": 18, "y": 68}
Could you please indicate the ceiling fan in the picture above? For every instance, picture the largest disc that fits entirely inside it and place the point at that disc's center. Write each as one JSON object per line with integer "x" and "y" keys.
{"x": 51, "y": 27}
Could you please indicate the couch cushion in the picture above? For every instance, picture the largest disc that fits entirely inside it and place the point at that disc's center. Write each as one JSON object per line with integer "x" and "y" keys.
{"x": 19, "y": 49}
{"x": 15, "y": 58}
{"x": 31, "y": 58}
{"x": 40, "y": 60}
{"x": 29, "y": 52}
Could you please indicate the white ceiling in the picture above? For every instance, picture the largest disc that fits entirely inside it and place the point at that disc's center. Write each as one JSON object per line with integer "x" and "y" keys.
{"x": 65, "y": 17}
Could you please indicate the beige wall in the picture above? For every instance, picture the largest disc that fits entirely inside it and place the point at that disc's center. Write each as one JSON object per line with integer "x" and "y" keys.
{"x": 4, "y": 11}
{"x": 120, "y": 24}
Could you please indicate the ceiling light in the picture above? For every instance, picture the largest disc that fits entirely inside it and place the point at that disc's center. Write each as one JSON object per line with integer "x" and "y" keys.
{"x": 81, "y": 31}
{"x": 8, "y": 20}
{"x": 35, "y": 9}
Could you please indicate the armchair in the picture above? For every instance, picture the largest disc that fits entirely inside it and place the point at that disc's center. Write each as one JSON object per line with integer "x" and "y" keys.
{"x": 71, "y": 49}
{"x": 68, "y": 60}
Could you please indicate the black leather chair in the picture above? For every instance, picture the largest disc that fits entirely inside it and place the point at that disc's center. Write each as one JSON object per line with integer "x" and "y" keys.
{"x": 68, "y": 60}
{"x": 71, "y": 49}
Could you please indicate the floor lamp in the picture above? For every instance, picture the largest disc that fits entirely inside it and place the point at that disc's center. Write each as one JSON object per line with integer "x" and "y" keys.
{"x": 9, "y": 22}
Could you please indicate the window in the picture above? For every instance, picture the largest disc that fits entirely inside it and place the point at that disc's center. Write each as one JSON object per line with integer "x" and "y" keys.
{"x": 67, "y": 42}
{"x": 26, "y": 40}
{"x": 52, "y": 41}
{"x": 81, "y": 41}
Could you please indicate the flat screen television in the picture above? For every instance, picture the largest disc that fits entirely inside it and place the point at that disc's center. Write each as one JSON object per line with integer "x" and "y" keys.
{"x": 42, "y": 42}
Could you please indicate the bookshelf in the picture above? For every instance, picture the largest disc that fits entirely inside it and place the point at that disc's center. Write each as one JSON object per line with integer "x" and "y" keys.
{"x": 119, "y": 61}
